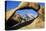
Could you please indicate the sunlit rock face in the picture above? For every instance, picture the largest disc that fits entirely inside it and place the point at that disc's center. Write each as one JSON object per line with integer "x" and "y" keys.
{"x": 9, "y": 13}
{"x": 27, "y": 14}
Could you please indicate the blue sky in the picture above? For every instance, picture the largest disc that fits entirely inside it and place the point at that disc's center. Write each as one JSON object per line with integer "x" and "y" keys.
{"x": 27, "y": 11}
{"x": 14, "y": 4}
